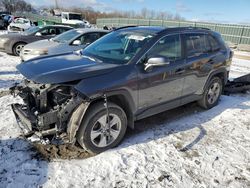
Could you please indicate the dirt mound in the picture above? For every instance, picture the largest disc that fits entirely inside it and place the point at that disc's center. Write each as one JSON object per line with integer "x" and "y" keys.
{"x": 51, "y": 152}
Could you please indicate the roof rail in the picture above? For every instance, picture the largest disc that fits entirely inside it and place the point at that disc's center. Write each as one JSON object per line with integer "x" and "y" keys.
{"x": 128, "y": 26}
{"x": 194, "y": 27}
{"x": 183, "y": 28}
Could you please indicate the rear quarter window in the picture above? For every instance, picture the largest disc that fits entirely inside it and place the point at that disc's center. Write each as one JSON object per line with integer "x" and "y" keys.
{"x": 214, "y": 43}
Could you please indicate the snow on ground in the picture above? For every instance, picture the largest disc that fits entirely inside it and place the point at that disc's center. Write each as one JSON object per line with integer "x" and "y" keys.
{"x": 8, "y": 72}
{"x": 185, "y": 147}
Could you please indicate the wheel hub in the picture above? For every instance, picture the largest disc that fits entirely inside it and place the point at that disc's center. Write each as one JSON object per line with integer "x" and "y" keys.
{"x": 103, "y": 133}
{"x": 213, "y": 93}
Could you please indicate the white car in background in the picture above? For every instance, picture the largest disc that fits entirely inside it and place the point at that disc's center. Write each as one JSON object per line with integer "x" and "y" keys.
{"x": 72, "y": 18}
{"x": 20, "y": 24}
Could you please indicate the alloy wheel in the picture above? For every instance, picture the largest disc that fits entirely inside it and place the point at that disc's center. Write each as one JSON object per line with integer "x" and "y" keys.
{"x": 103, "y": 133}
{"x": 213, "y": 93}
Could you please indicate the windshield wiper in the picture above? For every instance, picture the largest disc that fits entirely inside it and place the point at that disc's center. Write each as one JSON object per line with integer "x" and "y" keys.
{"x": 80, "y": 52}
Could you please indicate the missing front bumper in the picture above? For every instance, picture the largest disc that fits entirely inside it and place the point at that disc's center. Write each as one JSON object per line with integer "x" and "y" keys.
{"x": 26, "y": 122}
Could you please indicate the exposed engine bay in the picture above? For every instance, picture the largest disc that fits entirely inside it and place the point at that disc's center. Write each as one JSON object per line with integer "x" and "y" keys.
{"x": 50, "y": 113}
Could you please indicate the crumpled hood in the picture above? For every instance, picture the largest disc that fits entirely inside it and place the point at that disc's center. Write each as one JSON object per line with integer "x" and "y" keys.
{"x": 63, "y": 68}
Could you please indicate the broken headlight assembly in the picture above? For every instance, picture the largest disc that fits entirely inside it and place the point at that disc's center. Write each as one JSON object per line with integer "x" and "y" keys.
{"x": 47, "y": 108}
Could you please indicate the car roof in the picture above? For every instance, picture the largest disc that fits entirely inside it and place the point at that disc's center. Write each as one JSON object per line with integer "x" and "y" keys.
{"x": 158, "y": 29}
{"x": 151, "y": 29}
{"x": 66, "y": 26}
{"x": 91, "y": 30}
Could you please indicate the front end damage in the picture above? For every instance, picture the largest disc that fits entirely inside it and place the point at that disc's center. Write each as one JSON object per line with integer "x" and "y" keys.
{"x": 49, "y": 113}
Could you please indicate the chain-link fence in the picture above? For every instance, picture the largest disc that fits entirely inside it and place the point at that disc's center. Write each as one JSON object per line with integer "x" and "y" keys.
{"x": 238, "y": 34}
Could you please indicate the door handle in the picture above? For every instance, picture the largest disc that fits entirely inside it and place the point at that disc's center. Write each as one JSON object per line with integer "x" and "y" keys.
{"x": 180, "y": 71}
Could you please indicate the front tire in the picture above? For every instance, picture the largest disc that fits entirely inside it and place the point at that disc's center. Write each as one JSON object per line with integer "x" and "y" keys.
{"x": 212, "y": 93}
{"x": 94, "y": 134}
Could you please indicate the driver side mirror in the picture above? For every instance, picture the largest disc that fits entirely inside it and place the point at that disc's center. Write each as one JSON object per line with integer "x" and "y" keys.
{"x": 77, "y": 43}
{"x": 155, "y": 62}
{"x": 38, "y": 34}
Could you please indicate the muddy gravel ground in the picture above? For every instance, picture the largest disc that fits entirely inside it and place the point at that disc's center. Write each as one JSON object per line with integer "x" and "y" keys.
{"x": 52, "y": 152}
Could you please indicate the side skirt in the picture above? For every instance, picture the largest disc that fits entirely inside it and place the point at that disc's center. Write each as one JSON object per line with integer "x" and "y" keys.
{"x": 166, "y": 106}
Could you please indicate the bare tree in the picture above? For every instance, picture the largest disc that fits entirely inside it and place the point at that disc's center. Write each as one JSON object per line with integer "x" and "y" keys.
{"x": 15, "y": 5}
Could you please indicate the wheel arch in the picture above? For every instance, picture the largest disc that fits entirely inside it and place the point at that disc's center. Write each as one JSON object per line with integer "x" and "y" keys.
{"x": 80, "y": 111}
{"x": 221, "y": 73}
{"x": 122, "y": 99}
{"x": 16, "y": 43}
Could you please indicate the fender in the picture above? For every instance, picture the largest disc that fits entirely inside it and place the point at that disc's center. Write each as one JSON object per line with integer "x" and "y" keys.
{"x": 119, "y": 86}
{"x": 221, "y": 70}
{"x": 125, "y": 100}
{"x": 75, "y": 121}
{"x": 122, "y": 81}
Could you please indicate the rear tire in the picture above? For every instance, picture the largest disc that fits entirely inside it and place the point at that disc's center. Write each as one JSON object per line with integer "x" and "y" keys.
{"x": 94, "y": 135}
{"x": 18, "y": 47}
{"x": 212, "y": 93}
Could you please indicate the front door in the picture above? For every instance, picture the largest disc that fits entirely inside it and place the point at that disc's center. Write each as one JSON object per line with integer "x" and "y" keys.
{"x": 162, "y": 83}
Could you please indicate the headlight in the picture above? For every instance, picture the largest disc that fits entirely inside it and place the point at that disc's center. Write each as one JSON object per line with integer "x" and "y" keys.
{"x": 39, "y": 52}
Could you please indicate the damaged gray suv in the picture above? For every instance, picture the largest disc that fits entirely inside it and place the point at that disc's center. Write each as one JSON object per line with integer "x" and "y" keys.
{"x": 93, "y": 95}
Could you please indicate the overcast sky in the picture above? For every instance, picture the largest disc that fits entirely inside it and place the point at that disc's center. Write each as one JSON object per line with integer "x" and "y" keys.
{"x": 231, "y": 11}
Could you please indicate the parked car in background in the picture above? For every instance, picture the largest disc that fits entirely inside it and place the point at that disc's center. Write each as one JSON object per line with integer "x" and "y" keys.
{"x": 129, "y": 74}
{"x": 20, "y": 24}
{"x": 69, "y": 41}
{"x": 12, "y": 43}
{"x": 7, "y": 20}
{"x": 72, "y": 18}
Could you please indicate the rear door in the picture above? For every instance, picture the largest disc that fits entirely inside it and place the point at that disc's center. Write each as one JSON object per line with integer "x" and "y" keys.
{"x": 197, "y": 66}
{"x": 217, "y": 52}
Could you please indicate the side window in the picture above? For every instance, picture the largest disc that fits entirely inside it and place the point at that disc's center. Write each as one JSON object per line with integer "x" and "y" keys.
{"x": 168, "y": 47}
{"x": 196, "y": 44}
{"x": 52, "y": 31}
{"x": 64, "y": 16}
{"x": 89, "y": 38}
{"x": 215, "y": 46}
{"x": 61, "y": 30}
{"x": 102, "y": 34}
{"x": 44, "y": 32}
{"x": 58, "y": 31}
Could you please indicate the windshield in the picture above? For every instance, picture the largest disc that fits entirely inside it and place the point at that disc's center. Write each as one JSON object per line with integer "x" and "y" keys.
{"x": 31, "y": 30}
{"x": 117, "y": 47}
{"x": 67, "y": 36}
{"x": 75, "y": 17}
